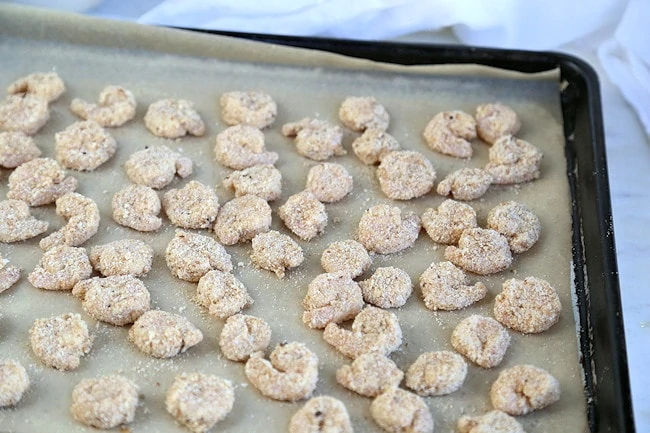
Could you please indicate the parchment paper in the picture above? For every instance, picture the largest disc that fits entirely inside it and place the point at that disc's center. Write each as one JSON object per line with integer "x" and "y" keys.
{"x": 159, "y": 63}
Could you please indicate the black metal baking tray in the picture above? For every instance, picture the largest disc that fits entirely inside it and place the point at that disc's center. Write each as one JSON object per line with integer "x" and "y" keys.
{"x": 602, "y": 339}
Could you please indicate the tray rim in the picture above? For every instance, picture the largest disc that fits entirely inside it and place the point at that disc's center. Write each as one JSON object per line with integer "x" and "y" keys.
{"x": 602, "y": 336}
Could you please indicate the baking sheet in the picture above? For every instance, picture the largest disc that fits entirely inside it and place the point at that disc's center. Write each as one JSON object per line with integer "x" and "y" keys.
{"x": 304, "y": 84}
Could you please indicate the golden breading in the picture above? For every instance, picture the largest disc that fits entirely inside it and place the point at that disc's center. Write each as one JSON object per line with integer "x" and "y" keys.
{"x": 383, "y": 229}
{"x": 348, "y": 257}
{"x": 241, "y": 219}
{"x": 256, "y": 109}
{"x": 242, "y": 146}
{"x": 491, "y": 422}
{"x": 373, "y": 330}
{"x": 173, "y": 118}
{"x": 522, "y": 389}
{"x": 222, "y": 294}
{"x": 329, "y": 182}
{"x": 9, "y": 275}
{"x": 517, "y": 223}
{"x": 24, "y": 112}
{"x": 243, "y": 335}
{"x": 482, "y": 251}
{"x": 60, "y": 341}
{"x": 84, "y": 146}
{"x": 199, "y": 401}
{"x": 399, "y": 411}
{"x": 373, "y": 144}
{"x": 370, "y": 374}
{"x": 17, "y": 224}
{"x": 276, "y": 252}
{"x": 14, "y": 382}
{"x": 304, "y": 215}
{"x": 321, "y": 414}
{"x": 123, "y": 257}
{"x": 264, "y": 181}
{"x": 446, "y": 287}
{"x": 331, "y": 298}
{"x": 137, "y": 207}
{"x": 195, "y": 206}
{"x": 316, "y": 139}
{"x": 47, "y": 85}
{"x": 530, "y": 306}
{"x": 115, "y": 107}
{"x": 362, "y": 112}
{"x": 449, "y": 133}
{"x": 82, "y": 215}
{"x": 482, "y": 340}
{"x": 445, "y": 224}
{"x": 156, "y": 166}
{"x": 16, "y": 148}
{"x": 190, "y": 256}
{"x": 39, "y": 181}
{"x": 290, "y": 374}
{"x": 60, "y": 268}
{"x": 512, "y": 160}
{"x": 163, "y": 335}
{"x": 388, "y": 287}
{"x": 496, "y": 120}
{"x": 118, "y": 300}
{"x": 436, "y": 373}
{"x": 405, "y": 174}
{"x": 465, "y": 184}
{"x": 105, "y": 402}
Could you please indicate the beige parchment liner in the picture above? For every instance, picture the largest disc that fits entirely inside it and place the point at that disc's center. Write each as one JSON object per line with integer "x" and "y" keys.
{"x": 89, "y": 54}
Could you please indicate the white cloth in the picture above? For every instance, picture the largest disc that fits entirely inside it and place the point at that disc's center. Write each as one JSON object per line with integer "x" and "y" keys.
{"x": 524, "y": 24}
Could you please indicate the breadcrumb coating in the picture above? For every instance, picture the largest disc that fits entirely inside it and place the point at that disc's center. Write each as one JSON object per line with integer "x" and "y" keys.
{"x": 331, "y": 298}
{"x": 241, "y": 219}
{"x": 256, "y": 109}
{"x": 304, "y": 215}
{"x": 60, "y": 268}
{"x": 243, "y": 335}
{"x": 383, "y": 229}
{"x": 446, "y": 224}
{"x": 276, "y": 252}
{"x": 156, "y": 166}
{"x": 405, "y": 174}
{"x": 199, "y": 401}
{"x": 348, "y": 257}
{"x": 47, "y": 85}
{"x": 137, "y": 207}
{"x": 190, "y": 256}
{"x": 362, "y": 112}
{"x": 163, "y": 335}
{"x": 173, "y": 118}
{"x": 24, "y": 112}
{"x": 512, "y": 160}
{"x": 491, "y": 422}
{"x": 16, "y": 148}
{"x": 14, "y": 382}
{"x": 122, "y": 257}
{"x": 17, "y": 223}
{"x": 517, "y": 223}
{"x": 104, "y": 402}
{"x": 321, "y": 414}
{"x": 82, "y": 215}
{"x": 529, "y": 306}
{"x": 373, "y": 330}
{"x": 522, "y": 389}
{"x": 316, "y": 139}
{"x": 84, "y": 146}
{"x": 465, "y": 184}
{"x": 449, "y": 133}
{"x": 9, "y": 275}
{"x": 373, "y": 145}
{"x": 399, "y": 411}
{"x": 264, "y": 181}
{"x": 436, "y": 373}
{"x": 388, "y": 287}
{"x": 115, "y": 107}
{"x": 290, "y": 374}
{"x": 39, "y": 182}
{"x": 242, "y": 146}
{"x": 222, "y": 294}
{"x": 370, "y": 374}
{"x": 60, "y": 341}
{"x": 195, "y": 206}
{"x": 496, "y": 120}
{"x": 482, "y": 340}
{"x": 481, "y": 251}
{"x": 446, "y": 287}
{"x": 329, "y": 182}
